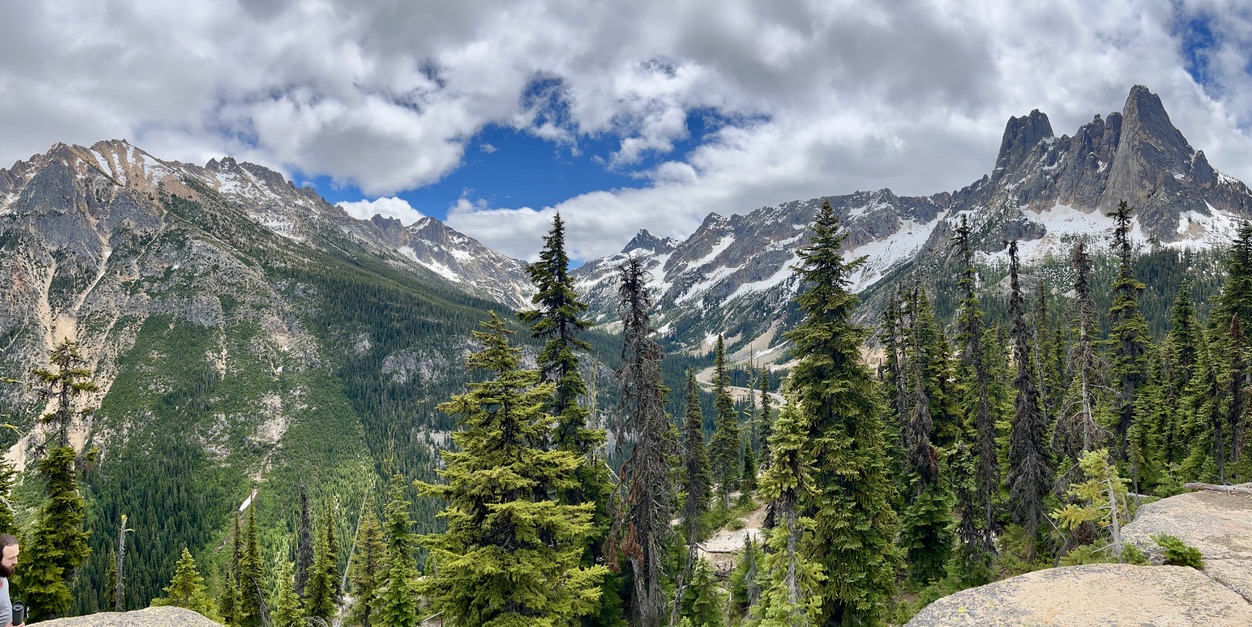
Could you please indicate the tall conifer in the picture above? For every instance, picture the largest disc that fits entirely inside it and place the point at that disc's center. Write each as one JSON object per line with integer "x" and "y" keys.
{"x": 507, "y": 556}
{"x": 724, "y": 448}
{"x": 1030, "y": 469}
{"x": 854, "y": 525}
{"x": 697, "y": 480}
{"x": 1128, "y": 337}
{"x": 642, "y": 526}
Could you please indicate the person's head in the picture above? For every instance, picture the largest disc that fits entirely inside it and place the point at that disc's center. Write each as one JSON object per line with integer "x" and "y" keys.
{"x": 8, "y": 555}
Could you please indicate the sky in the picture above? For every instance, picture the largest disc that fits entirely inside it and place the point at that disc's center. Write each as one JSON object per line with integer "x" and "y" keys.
{"x": 620, "y": 115}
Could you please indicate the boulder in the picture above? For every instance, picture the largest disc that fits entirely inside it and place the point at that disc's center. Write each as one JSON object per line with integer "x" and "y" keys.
{"x": 151, "y": 617}
{"x": 1218, "y": 524}
{"x": 1095, "y": 594}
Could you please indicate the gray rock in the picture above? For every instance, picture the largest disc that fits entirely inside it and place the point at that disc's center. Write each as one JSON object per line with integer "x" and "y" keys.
{"x": 1219, "y": 525}
{"x": 151, "y": 617}
{"x": 1097, "y": 594}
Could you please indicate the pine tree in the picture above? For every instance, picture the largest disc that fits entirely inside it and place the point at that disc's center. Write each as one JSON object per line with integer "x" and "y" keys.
{"x": 703, "y": 600}
{"x": 304, "y": 544}
{"x": 251, "y": 599}
{"x": 642, "y": 527}
{"x": 930, "y": 350}
{"x": 1030, "y": 473}
{"x": 368, "y": 570}
{"x": 507, "y": 557}
{"x": 925, "y": 527}
{"x": 1128, "y": 337}
{"x": 791, "y": 583}
{"x": 978, "y": 407}
{"x": 1100, "y": 502}
{"x": 229, "y": 598}
{"x": 697, "y": 480}
{"x": 287, "y": 610}
{"x": 397, "y": 602}
{"x": 321, "y": 592}
{"x": 745, "y": 588}
{"x": 1147, "y": 431}
{"x": 1205, "y": 400}
{"x": 110, "y": 581}
{"x": 854, "y": 525}
{"x": 187, "y": 589}
{"x": 748, "y": 480}
{"x": 724, "y": 448}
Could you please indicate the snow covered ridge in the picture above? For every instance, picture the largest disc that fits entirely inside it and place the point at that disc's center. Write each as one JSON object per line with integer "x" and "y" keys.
{"x": 1047, "y": 192}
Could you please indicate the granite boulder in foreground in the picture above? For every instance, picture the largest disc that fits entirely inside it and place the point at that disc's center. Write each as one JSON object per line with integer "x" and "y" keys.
{"x": 151, "y": 617}
{"x": 1095, "y": 594}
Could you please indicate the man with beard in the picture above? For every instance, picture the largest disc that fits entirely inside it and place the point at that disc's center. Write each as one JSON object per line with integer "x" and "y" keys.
{"x": 8, "y": 562}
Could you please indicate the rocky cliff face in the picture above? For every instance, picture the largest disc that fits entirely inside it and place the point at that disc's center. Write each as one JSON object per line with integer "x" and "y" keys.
{"x": 733, "y": 275}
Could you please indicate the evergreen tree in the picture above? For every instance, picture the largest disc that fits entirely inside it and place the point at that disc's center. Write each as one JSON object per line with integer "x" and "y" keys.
{"x": 507, "y": 557}
{"x": 1076, "y": 431}
{"x": 766, "y": 418}
{"x": 69, "y": 379}
{"x": 7, "y": 478}
{"x": 745, "y": 589}
{"x": 724, "y": 448}
{"x": 1235, "y": 300}
{"x": 558, "y": 319}
{"x": 397, "y": 602}
{"x": 251, "y": 599}
{"x": 57, "y": 543}
{"x": 642, "y": 526}
{"x": 110, "y": 582}
{"x": 791, "y": 583}
{"x": 977, "y": 511}
{"x": 1181, "y": 341}
{"x": 1101, "y": 503}
{"x": 304, "y": 544}
{"x": 187, "y": 589}
{"x": 748, "y": 481}
{"x": 287, "y": 610}
{"x": 930, "y": 351}
{"x": 1128, "y": 337}
{"x": 854, "y": 525}
{"x": 697, "y": 480}
{"x": 229, "y": 598}
{"x": 321, "y": 592}
{"x": 1030, "y": 472}
{"x": 368, "y": 570}
{"x": 703, "y": 600}
{"x": 925, "y": 527}
{"x": 1147, "y": 431}
{"x": 1205, "y": 401}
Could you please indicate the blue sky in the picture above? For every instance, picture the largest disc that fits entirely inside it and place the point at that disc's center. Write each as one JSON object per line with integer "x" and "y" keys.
{"x": 621, "y": 116}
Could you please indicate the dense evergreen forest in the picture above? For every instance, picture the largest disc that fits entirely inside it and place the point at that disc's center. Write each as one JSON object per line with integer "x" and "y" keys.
{"x": 1011, "y": 420}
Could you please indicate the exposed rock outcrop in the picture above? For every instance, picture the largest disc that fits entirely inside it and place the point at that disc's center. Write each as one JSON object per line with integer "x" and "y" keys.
{"x": 151, "y": 617}
{"x": 1096, "y": 594}
{"x": 1219, "y": 525}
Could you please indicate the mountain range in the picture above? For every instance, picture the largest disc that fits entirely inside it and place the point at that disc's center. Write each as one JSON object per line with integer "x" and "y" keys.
{"x": 245, "y": 330}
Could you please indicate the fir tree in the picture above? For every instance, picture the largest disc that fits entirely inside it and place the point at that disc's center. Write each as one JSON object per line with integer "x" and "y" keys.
{"x": 724, "y": 448}
{"x": 110, "y": 582}
{"x": 766, "y": 417}
{"x": 1030, "y": 472}
{"x": 507, "y": 557}
{"x": 697, "y": 480}
{"x": 926, "y": 522}
{"x": 367, "y": 574}
{"x": 1205, "y": 400}
{"x": 287, "y": 610}
{"x": 397, "y": 602}
{"x": 304, "y": 544}
{"x": 642, "y": 526}
{"x": 187, "y": 589}
{"x": 703, "y": 600}
{"x": 1128, "y": 337}
{"x": 930, "y": 350}
{"x": 979, "y": 410}
{"x": 791, "y": 583}
{"x": 745, "y": 589}
{"x": 748, "y": 480}
{"x": 1100, "y": 502}
{"x": 229, "y": 598}
{"x": 69, "y": 380}
{"x": 58, "y": 542}
{"x": 321, "y": 592}
{"x": 1076, "y": 431}
{"x": 854, "y": 525}
{"x": 251, "y": 599}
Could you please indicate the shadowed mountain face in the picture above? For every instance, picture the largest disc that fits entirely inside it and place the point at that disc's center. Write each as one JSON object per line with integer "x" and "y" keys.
{"x": 733, "y": 275}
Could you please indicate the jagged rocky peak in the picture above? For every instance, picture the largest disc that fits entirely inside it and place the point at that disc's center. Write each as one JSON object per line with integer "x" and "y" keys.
{"x": 1021, "y": 135}
{"x": 645, "y": 240}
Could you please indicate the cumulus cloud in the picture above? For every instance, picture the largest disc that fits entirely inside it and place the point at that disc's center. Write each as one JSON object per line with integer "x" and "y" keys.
{"x": 389, "y": 207}
{"x": 817, "y": 97}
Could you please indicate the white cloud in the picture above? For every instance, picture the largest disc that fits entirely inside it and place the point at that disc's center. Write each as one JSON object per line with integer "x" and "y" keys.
{"x": 391, "y": 207}
{"x": 823, "y": 97}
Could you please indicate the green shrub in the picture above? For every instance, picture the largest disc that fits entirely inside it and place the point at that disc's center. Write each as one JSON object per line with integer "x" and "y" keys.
{"x": 737, "y": 524}
{"x": 1178, "y": 553}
